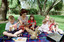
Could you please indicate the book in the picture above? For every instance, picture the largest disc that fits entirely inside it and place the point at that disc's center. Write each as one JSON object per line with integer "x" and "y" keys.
{"x": 55, "y": 36}
{"x": 19, "y": 39}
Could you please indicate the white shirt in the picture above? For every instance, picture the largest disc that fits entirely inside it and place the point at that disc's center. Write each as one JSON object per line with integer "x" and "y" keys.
{"x": 44, "y": 28}
{"x": 9, "y": 24}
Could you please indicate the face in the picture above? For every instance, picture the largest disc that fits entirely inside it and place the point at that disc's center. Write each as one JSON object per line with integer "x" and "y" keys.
{"x": 24, "y": 14}
{"x": 44, "y": 22}
{"x": 47, "y": 17}
{"x": 52, "y": 20}
{"x": 31, "y": 18}
{"x": 12, "y": 21}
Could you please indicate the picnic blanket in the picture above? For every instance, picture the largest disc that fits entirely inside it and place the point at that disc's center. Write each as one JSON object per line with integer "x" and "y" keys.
{"x": 42, "y": 38}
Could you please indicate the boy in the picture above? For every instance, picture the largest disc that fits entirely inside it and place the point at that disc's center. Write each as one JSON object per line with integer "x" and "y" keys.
{"x": 11, "y": 28}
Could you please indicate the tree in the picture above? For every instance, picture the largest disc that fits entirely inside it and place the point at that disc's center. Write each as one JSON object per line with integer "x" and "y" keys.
{"x": 0, "y": 2}
{"x": 40, "y": 5}
{"x": 13, "y": 3}
{"x": 46, "y": 11}
{"x": 59, "y": 6}
{"x": 3, "y": 10}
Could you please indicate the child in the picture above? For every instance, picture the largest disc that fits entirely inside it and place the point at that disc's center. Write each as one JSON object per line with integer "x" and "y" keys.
{"x": 44, "y": 27}
{"x": 56, "y": 29}
{"x": 11, "y": 28}
{"x": 47, "y": 17}
{"x": 32, "y": 22}
{"x": 51, "y": 23}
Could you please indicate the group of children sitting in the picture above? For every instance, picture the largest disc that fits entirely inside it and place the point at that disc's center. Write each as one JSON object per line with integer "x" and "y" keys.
{"x": 13, "y": 28}
{"x": 50, "y": 26}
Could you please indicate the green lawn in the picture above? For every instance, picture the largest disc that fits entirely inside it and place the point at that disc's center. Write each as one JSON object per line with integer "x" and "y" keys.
{"x": 59, "y": 19}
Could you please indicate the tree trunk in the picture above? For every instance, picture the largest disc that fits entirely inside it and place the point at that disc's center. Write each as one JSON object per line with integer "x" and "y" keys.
{"x": 3, "y": 10}
{"x": 40, "y": 9}
{"x": 44, "y": 7}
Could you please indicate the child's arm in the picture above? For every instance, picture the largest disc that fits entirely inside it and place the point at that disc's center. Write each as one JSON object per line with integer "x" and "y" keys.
{"x": 57, "y": 27}
{"x": 53, "y": 28}
{"x": 34, "y": 23}
{"x": 40, "y": 28}
{"x": 15, "y": 25}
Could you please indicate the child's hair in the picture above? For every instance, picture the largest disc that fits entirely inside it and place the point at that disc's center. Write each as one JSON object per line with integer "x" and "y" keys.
{"x": 55, "y": 25}
{"x": 11, "y": 18}
{"x": 46, "y": 16}
{"x": 44, "y": 21}
{"x": 30, "y": 18}
{"x": 51, "y": 20}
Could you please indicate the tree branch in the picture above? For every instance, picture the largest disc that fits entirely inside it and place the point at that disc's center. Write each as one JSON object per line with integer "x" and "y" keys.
{"x": 54, "y": 3}
{"x": 40, "y": 9}
{"x": 44, "y": 7}
{"x": 50, "y": 7}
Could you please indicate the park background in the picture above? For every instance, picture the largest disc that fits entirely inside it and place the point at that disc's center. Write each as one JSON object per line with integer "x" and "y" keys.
{"x": 39, "y": 8}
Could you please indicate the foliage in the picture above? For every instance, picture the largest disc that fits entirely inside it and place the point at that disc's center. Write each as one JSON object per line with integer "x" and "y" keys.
{"x": 0, "y": 2}
{"x": 13, "y": 3}
{"x": 49, "y": 3}
{"x": 34, "y": 5}
{"x": 32, "y": 11}
{"x": 41, "y": 3}
{"x": 54, "y": 13}
{"x": 59, "y": 6}
{"x": 16, "y": 10}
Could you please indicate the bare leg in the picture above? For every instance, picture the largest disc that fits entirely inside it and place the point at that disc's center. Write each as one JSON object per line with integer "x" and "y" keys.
{"x": 18, "y": 32}
{"x": 9, "y": 34}
{"x": 49, "y": 32}
{"x": 60, "y": 31}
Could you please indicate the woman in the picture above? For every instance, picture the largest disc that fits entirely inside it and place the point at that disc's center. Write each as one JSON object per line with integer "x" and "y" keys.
{"x": 23, "y": 16}
{"x": 23, "y": 19}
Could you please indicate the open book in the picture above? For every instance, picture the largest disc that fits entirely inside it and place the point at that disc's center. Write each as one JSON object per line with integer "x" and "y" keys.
{"x": 20, "y": 39}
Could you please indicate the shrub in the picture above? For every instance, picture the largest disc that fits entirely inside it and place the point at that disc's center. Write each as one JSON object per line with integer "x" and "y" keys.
{"x": 59, "y": 6}
{"x": 54, "y": 13}
{"x": 32, "y": 11}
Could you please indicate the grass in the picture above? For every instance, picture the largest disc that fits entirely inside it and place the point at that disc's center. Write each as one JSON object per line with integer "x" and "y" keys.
{"x": 59, "y": 19}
